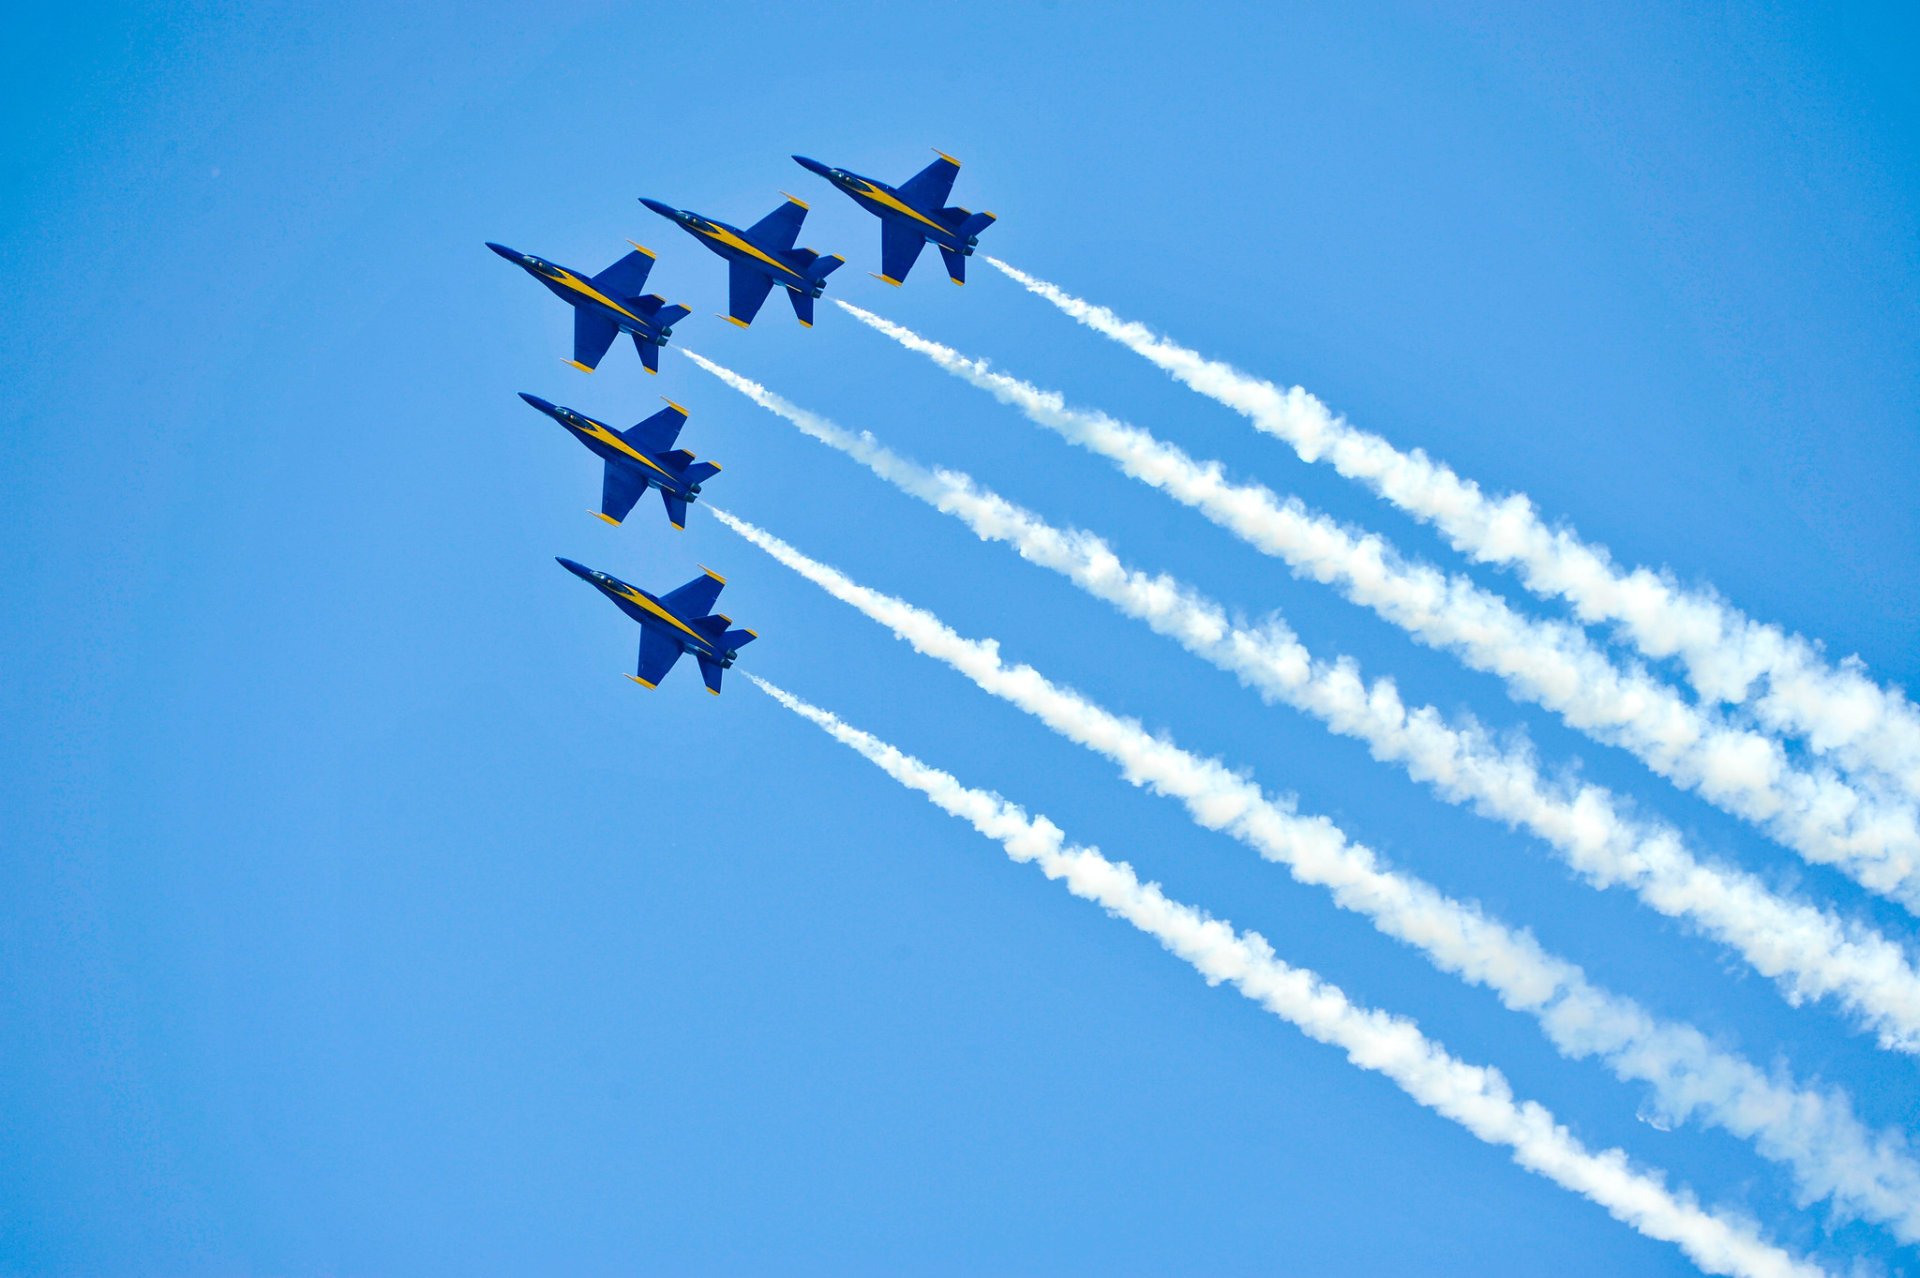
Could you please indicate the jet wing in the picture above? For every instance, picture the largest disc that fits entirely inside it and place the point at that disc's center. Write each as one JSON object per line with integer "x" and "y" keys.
{"x": 928, "y": 189}
{"x": 780, "y": 228}
{"x": 620, "y": 487}
{"x": 900, "y": 247}
{"x": 658, "y": 652}
{"x": 746, "y": 289}
{"x": 657, "y": 433}
{"x": 695, "y": 599}
{"x": 626, "y": 277}
{"x": 592, "y": 334}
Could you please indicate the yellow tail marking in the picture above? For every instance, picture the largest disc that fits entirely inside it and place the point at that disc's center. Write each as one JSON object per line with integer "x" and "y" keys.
{"x": 948, "y": 158}
{"x": 642, "y": 682}
{"x": 886, "y": 279}
{"x": 601, "y": 514}
{"x": 642, "y": 248}
{"x": 796, "y": 200}
{"x": 711, "y": 573}
{"x": 577, "y": 364}
{"x": 731, "y": 320}
{"x": 670, "y": 404}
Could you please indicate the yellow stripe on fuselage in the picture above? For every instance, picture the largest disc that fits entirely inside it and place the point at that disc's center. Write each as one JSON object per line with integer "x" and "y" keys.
{"x": 606, "y": 436}
{"x": 894, "y": 202}
{"x": 579, "y": 285}
{"x": 731, "y": 240}
{"x": 634, "y": 596}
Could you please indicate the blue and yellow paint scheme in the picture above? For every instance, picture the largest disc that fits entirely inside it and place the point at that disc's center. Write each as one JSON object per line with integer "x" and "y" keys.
{"x": 677, "y": 622}
{"x": 913, "y": 215}
{"x": 637, "y": 458}
{"x": 760, "y": 257}
{"x": 606, "y": 305}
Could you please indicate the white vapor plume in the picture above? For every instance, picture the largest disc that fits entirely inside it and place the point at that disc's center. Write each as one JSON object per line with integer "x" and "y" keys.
{"x": 1815, "y": 1134}
{"x": 1809, "y": 952}
{"x": 1873, "y": 838}
{"x": 1477, "y": 1097}
{"x": 1782, "y": 678}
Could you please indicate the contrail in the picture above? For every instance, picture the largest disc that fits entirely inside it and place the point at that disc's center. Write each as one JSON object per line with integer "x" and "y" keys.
{"x": 1809, "y": 952}
{"x": 1782, "y": 678}
{"x": 1871, "y": 837}
{"x": 1477, "y": 1097}
{"x": 1815, "y": 1134}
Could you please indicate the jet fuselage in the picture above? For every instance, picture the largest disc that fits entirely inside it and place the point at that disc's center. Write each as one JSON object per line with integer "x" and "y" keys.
{"x": 578, "y": 290}
{"x": 885, "y": 202}
{"x": 651, "y": 613}
{"x": 605, "y": 443}
{"x": 782, "y": 266}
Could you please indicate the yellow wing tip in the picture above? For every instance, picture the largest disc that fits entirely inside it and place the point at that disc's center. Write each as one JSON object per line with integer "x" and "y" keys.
{"x": 601, "y": 514}
{"x": 678, "y": 527}
{"x": 642, "y": 682}
{"x": 675, "y": 407}
{"x": 714, "y": 691}
{"x": 651, "y": 372}
{"x": 577, "y": 364}
{"x": 643, "y": 249}
{"x": 739, "y": 323}
{"x": 948, "y": 158}
{"x": 716, "y": 465}
{"x": 961, "y": 283}
{"x": 754, "y": 633}
{"x": 806, "y": 323}
{"x": 711, "y": 573}
{"x": 794, "y": 199}
{"x": 886, "y": 279}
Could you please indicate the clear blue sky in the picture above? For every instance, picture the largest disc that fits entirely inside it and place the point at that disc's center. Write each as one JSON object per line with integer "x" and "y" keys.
{"x": 357, "y": 917}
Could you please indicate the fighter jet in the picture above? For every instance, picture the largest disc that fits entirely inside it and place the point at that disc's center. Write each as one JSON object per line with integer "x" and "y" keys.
{"x": 760, "y": 257}
{"x": 913, "y": 214}
{"x": 606, "y": 305}
{"x": 636, "y": 458}
{"x": 680, "y": 621}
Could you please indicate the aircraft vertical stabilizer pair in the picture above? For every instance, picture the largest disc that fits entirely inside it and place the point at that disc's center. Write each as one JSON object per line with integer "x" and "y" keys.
{"x": 643, "y": 456}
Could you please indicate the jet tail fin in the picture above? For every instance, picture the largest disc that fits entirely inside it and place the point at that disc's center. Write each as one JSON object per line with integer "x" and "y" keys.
{"x": 699, "y": 472}
{"x": 649, "y": 353}
{"x": 802, "y": 305}
{"x": 734, "y": 640}
{"x": 821, "y": 267}
{"x": 956, "y": 264}
{"x": 663, "y": 313}
{"x": 710, "y": 670}
{"x": 975, "y": 223}
{"x": 676, "y": 508}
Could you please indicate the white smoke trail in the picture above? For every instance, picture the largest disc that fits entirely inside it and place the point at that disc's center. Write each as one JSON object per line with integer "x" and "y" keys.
{"x": 1813, "y": 1133}
{"x": 1783, "y": 678}
{"x": 1872, "y": 838}
{"x": 1809, "y": 952}
{"x": 1478, "y": 1098}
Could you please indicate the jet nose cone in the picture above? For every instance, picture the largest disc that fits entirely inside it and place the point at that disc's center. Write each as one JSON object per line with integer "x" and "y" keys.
{"x": 813, "y": 165}
{"x": 577, "y": 570}
{"x": 540, "y": 404}
{"x": 504, "y": 251}
{"x": 664, "y": 210}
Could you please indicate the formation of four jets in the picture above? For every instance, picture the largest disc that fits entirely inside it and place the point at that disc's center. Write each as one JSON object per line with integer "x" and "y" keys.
{"x": 605, "y": 305}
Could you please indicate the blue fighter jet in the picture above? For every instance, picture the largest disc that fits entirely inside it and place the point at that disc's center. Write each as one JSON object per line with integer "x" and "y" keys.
{"x": 680, "y": 621}
{"x": 606, "y": 305}
{"x": 760, "y": 257}
{"x": 912, "y": 215}
{"x": 636, "y": 458}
